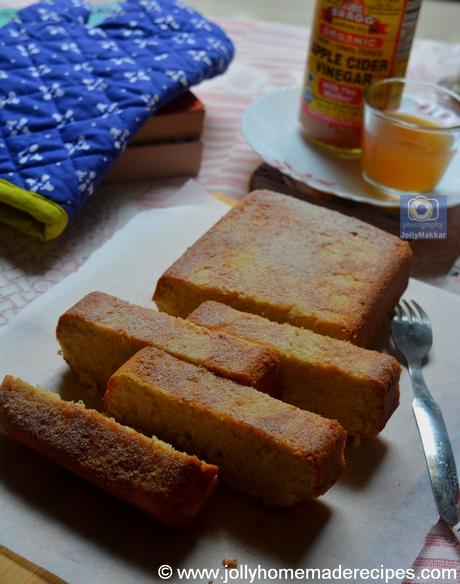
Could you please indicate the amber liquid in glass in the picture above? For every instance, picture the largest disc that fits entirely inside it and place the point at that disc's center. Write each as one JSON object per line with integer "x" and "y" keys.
{"x": 406, "y": 159}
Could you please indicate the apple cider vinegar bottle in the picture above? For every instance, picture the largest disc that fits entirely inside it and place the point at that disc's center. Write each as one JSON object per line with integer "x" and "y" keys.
{"x": 353, "y": 43}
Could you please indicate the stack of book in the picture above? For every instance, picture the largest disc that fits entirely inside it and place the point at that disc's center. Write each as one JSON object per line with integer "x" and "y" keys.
{"x": 167, "y": 145}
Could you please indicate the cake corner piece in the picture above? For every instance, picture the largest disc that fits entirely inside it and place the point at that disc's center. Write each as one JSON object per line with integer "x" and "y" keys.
{"x": 344, "y": 283}
{"x": 167, "y": 484}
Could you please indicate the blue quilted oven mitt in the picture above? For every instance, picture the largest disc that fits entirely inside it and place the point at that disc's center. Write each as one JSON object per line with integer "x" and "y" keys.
{"x": 71, "y": 96}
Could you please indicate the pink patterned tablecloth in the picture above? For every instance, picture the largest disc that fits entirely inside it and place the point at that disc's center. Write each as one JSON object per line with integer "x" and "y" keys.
{"x": 268, "y": 56}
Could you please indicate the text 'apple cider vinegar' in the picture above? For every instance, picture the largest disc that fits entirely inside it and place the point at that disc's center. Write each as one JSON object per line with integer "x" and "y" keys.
{"x": 353, "y": 43}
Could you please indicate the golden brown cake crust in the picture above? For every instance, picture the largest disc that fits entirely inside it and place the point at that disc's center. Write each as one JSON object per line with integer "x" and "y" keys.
{"x": 101, "y": 332}
{"x": 292, "y": 262}
{"x": 366, "y": 382}
{"x": 148, "y": 473}
{"x": 208, "y": 401}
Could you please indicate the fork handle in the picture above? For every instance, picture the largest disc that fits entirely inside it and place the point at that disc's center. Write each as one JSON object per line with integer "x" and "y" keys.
{"x": 438, "y": 450}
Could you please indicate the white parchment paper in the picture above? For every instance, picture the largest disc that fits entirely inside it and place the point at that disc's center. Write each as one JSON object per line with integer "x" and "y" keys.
{"x": 377, "y": 514}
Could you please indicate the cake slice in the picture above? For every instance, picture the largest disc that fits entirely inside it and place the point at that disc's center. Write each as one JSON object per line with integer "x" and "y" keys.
{"x": 263, "y": 447}
{"x": 169, "y": 485}
{"x": 101, "y": 332}
{"x": 357, "y": 387}
{"x": 292, "y": 262}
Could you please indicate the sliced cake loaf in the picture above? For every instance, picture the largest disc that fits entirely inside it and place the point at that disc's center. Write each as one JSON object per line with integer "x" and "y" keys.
{"x": 101, "y": 332}
{"x": 358, "y": 387}
{"x": 169, "y": 485}
{"x": 264, "y": 447}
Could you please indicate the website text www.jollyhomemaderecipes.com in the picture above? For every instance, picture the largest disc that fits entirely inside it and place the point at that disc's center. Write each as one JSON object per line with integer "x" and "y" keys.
{"x": 338, "y": 575}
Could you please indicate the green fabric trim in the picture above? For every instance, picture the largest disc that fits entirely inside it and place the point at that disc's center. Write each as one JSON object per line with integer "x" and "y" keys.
{"x": 30, "y": 212}
{"x": 99, "y": 12}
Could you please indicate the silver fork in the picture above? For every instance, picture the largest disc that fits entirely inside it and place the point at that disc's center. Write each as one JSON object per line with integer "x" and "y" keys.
{"x": 411, "y": 329}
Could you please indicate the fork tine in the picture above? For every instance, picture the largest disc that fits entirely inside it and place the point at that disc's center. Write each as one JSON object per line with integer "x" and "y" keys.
{"x": 403, "y": 312}
{"x": 412, "y": 317}
{"x": 422, "y": 314}
{"x": 398, "y": 312}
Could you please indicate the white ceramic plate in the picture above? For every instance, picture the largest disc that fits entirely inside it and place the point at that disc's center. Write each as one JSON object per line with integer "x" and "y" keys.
{"x": 271, "y": 127}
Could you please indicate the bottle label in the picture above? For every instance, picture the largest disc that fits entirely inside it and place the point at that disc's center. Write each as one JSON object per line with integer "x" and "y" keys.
{"x": 355, "y": 42}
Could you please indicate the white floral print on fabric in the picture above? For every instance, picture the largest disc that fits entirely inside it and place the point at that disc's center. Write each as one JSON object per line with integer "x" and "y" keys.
{"x": 86, "y": 180}
{"x": 120, "y": 137}
{"x": 29, "y": 154}
{"x": 80, "y": 145}
{"x": 40, "y": 184}
{"x": 62, "y": 70}
{"x": 17, "y": 127}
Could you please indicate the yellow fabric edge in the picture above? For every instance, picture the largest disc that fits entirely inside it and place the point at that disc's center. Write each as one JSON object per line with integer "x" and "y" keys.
{"x": 30, "y": 212}
{"x": 230, "y": 201}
